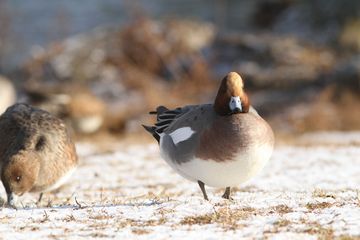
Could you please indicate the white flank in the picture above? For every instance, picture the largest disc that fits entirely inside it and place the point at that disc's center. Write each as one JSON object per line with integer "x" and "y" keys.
{"x": 181, "y": 134}
{"x": 225, "y": 174}
{"x": 61, "y": 180}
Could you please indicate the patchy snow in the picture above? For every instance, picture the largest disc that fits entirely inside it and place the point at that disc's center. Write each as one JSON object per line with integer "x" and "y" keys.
{"x": 305, "y": 191}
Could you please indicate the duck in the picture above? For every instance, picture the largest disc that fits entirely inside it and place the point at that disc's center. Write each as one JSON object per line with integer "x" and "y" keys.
{"x": 37, "y": 153}
{"x": 221, "y": 144}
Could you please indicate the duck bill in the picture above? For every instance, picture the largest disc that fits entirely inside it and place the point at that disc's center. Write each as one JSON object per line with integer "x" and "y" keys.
{"x": 235, "y": 105}
{"x": 11, "y": 199}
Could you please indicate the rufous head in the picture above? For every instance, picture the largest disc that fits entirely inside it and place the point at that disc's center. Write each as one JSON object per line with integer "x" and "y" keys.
{"x": 21, "y": 172}
{"x": 231, "y": 97}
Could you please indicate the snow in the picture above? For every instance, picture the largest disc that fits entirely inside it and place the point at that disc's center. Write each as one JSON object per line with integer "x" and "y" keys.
{"x": 129, "y": 192}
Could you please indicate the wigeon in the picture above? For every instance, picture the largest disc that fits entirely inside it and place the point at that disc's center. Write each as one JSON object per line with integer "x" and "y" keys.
{"x": 36, "y": 151}
{"x": 220, "y": 145}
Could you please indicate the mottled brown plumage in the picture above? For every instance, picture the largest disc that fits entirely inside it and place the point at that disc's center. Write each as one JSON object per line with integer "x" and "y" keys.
{"x": 36, "y": 151}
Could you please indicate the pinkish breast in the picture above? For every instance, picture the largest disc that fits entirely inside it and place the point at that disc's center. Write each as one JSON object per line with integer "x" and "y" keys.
{"x": 232, "y": 135}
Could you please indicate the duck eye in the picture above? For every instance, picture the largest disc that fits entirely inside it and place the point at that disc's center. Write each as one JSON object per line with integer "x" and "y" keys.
{"x": 18, "y": 178}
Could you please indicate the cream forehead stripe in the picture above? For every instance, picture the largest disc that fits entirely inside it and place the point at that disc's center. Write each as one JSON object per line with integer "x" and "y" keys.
{"x": 181, "y": 134}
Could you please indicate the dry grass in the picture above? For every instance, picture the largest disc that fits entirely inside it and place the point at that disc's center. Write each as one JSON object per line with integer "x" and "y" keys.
{"x": 101, "y": 216}
{"x": 199, "y": 219}
{"x": 70, "y": 218}
{"x": 331, "y": 109}
{"x": 347, "y": 237}
{"x": 318, "y": 206}
{"x": 226, "y": 217}
{"x": 282, "y": 223}
{"x": 281, "y": 209}
{"x": 312, "y": 228}
{"x": 97, "y": 235}
{"x": 320, "y": 193}
{"x": 323, "y": 233}
{"x": 31, "y": 228}
{"x": 140, "y": 231}
{"x": 138, "y": 223}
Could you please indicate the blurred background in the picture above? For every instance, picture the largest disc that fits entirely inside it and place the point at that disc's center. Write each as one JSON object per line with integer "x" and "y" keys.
{"x": 102, "y": 65}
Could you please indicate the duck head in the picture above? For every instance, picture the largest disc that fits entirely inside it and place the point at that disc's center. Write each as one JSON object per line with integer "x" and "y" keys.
{"x": 231, "y": 97}
{"x": 20, "y": 174}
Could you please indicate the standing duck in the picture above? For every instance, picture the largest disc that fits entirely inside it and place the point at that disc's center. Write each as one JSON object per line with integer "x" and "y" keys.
{"x": 36, "y": 151}
{"x": 219, "y": 145}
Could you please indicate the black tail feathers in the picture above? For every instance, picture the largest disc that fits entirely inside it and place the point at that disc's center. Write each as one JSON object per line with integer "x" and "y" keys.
{"x": 159, "y": 110}
{"x": 152, "y": 131}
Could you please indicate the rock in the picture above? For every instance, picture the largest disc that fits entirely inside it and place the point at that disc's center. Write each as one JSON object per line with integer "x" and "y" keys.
{"x": 350, "y": 35}
{"x": 7, "y": 94}
{"x": 166, "y": 49}
{"x": 118, "y": 74}
{"x": 86, "y": 112}
{"x": 269, "y": 61}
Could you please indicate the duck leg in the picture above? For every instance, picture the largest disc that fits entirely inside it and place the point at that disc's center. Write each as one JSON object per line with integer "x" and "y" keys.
{"x": 202, "y": 187}
{"x": 40, "y": 197}
{"x": 226, "y": 194}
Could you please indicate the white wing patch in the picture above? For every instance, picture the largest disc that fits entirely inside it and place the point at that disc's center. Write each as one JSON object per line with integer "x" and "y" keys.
{"x": 181, "y": 134}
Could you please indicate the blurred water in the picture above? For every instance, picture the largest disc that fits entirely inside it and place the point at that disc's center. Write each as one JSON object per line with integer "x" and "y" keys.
{"x": 40, "y": 22}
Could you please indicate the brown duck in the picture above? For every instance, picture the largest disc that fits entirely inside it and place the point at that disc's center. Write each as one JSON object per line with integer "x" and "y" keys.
{"x": 36, "y": 151}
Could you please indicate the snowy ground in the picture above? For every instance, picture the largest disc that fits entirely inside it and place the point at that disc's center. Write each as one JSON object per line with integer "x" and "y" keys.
{"x": 309, "y": 189}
